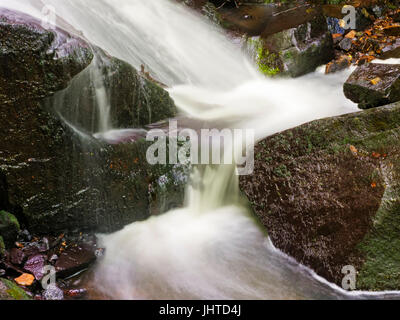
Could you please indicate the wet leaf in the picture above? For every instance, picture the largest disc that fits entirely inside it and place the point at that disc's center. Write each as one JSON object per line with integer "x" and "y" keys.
{"x": 25, "y": 280}
{"x": 353, "y": 149}
{"x": 376, "y": 81}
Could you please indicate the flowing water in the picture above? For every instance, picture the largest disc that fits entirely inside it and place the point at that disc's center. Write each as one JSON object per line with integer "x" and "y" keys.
{"x": 213, "y": 248}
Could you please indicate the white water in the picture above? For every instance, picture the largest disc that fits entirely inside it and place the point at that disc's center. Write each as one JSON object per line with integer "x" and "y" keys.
{"x": 212, "y": 248}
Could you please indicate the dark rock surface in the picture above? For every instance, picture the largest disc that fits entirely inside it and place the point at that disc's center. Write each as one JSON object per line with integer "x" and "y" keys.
{"x": 373, "y": 85}
{"x": 52, "y": 177}
{"x": 35, "y": 265}
{"x": 391, "y": 51}
{"x": 328, "y": 194}
{"x": 73, "y": 260}
{"x": 9, "y": 227}
{"x": 133, "y": 100}
{"x": 341, "y": 63}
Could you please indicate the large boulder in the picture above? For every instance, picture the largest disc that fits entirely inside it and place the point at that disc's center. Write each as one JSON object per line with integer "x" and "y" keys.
{"x": 111, "y": 90}
{"x": 328, "y": 194}
{"x": 54, "y": 177}
{"x": 373, "y": 85}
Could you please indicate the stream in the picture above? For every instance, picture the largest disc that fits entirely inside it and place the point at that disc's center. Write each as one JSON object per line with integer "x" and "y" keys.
{"x": 214, "y": 247}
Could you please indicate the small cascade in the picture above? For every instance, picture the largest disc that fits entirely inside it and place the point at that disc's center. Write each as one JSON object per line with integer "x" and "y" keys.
{"x": 213, "y": 248}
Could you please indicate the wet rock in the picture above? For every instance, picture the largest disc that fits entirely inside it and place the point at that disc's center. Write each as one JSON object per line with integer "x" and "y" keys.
{"x": 343, "y": 62}
{"x": 294, "y": 52}
{"x": 9, "y": 227}
{"x": 73, "y": 260}
{"x": 391, "y": 51}
{"x": 99, "y": 252}
{"x": 35, "y": 265}
{"x": 346, "y": 44}
{"x": 392, "y": 31}
{"x": 373, "y": 85}
{"x": 10, "y": 291}
{"x": 337, "y": 37}
{"x": 77, "y": 293}
{"x": 2, "y": 247}
{"x": 25, "y": 235}
{"x": 134, "y": 101}
{"x": 328, "y": 194}
{"x": 35, "y": 59}
{"x": 53, "y": 293}
{"x": 52, "y": 177}
{"x": 17, "y": 256}
{"x": 266, "y": 19}
{"x": 53, "y": 258}
{"x": 36, "y": 247}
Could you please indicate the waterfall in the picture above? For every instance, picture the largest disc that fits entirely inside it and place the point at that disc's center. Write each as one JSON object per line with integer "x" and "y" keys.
{"x": 213, "y": 248}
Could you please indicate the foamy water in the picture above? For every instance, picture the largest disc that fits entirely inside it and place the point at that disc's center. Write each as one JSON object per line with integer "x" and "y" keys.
{"x": 213, "y": 248}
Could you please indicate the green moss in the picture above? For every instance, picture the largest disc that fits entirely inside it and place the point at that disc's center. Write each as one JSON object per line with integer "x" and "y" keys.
{"x": 282, "y": 171}
{"x": 267, "y": 62}
{"x": 2, "y": 246}
{"x": 13, "y": 291}
{"x": 7, "y": 218}
{"x": 381, "y": 270}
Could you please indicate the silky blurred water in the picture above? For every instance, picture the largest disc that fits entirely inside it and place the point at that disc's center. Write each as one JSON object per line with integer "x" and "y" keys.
{"x": 213, "y": 248}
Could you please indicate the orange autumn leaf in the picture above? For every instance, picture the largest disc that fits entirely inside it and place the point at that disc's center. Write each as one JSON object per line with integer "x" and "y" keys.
{"x": 376, "y": 155}
{"x": 19, "y": 245}
{"x": 376, "y": 81}
{"x": 25, "y": 280}
{"x": 353, "y": 149}
{"x": 373, "y": 184}
{"x": 351, "y": 34}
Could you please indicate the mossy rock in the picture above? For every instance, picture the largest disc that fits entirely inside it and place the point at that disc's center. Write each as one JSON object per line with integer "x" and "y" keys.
{"x": 54, "y": 177}
{"x": 10, "y": 291}
{"x": 2, "y": 247}
{"x": 328, "y": 193}
{"x": 293, "y": 52}
{"x": 9, "y": 227}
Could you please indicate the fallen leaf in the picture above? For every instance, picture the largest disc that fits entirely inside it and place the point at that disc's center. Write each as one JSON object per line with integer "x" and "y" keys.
{"x": 19, "y": 245}
{"x": 373, "y": 184}
{"x": 376, "y": 81}
{"x": 25, "y": 280}
{"x": 353, "y": 149}
{"x": 351, "y": 34}
{"x": 376, "y": 155}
